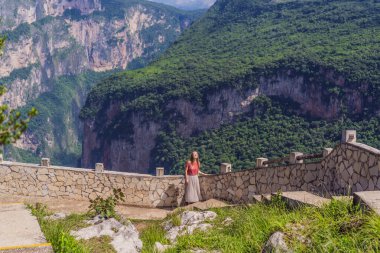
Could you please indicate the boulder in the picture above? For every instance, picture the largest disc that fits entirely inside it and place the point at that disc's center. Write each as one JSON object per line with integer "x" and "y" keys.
{"x": 276, "y": 244}
{"x": 125, "y": 238}
{"x": 190, "y": 221}
{"x": 159, "y": 248}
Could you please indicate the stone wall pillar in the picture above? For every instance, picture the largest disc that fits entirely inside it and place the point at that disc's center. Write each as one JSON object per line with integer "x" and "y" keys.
{"x": 45, "y": 162}
{"x": 225, "y": 168}
{"x": 160, "y": 172}
{"x": 293, "y": 157}
{"x": 99, "y": 167}
{"x": 348, "y": 136}
{"x": 327, "y": 151}
{"x": 260, "y": 162}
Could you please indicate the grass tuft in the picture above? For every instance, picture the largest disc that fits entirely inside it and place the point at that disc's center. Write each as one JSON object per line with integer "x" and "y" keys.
{"x": 337, "y": 227}
{"x": 58, "y": 232}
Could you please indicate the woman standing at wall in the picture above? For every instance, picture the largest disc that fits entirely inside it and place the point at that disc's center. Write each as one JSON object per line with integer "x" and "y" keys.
{"x": 192, "y": 170}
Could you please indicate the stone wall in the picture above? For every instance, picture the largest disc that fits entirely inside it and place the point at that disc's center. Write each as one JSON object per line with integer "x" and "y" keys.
{"x": 349, "y": 167}
{"x": 82, "y": 184}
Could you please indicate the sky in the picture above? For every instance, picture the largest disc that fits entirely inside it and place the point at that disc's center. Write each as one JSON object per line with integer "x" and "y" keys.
{"x": 188, "y": 4}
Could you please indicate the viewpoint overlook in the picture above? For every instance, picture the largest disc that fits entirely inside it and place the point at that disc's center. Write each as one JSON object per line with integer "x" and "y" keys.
{"x": 189, "y": 126}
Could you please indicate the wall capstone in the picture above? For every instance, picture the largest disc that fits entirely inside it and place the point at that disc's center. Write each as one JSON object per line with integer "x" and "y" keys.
{"x": 160, "y": 172}
{"x": 293, "y": 157}
{"x": 348, "y": 136}
{"x": 45, "y": 162}
{"x": 225, "y": 168}
{"x": 99, "y": 167}
{"x": 260, "y": 162}
{"x": 326, "y": 152}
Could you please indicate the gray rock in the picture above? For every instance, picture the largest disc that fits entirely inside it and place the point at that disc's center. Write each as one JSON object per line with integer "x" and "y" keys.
{"x": 125, "y": 238}
{"x": 228, "y": 221}
{"x": 276, "y": 244}
{"x": 190, "y": 221}
{"x": 204, "y": 251}
{"x": 56, "y": 216}
{"x": 159, "y": 248}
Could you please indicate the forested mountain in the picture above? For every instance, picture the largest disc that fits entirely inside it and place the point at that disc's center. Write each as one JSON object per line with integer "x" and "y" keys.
{"x": 251, "y": 78}
{"x": 57, "y": 49}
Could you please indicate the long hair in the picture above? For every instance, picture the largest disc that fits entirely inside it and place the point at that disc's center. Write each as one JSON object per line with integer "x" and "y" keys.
{"x": 192, "y": 159}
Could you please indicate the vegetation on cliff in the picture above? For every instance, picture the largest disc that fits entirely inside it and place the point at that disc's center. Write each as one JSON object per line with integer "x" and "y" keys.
{"x": 239, "y": 41}
{"x": 273, "y": 132}
{"x": 331, "y": 44}
{"x": 12, "y": 122}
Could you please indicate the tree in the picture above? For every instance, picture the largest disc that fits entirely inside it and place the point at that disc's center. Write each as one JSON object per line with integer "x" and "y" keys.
{"x": 12, "y": 123}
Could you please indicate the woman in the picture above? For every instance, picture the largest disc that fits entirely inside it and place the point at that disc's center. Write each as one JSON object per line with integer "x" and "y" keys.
{"x": 192, "y": 169}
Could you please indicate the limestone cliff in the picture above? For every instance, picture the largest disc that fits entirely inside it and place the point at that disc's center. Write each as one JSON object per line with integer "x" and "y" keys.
{"x": 316, "y": 59}
{"x": 47, "y": 39}
{"x": 221, "y": 107}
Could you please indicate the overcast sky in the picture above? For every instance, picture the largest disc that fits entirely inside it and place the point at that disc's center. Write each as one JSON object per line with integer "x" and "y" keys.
{"x": 188, "y": 4}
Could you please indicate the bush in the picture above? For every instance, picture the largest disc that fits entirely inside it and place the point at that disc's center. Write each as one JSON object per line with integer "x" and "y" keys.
{"x": 106, "y": 207}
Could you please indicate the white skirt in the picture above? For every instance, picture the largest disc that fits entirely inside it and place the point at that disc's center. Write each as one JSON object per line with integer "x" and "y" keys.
{"x": 193, "y": 191}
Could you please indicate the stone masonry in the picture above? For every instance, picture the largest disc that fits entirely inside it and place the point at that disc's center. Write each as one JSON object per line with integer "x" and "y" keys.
{"x": 82, "y": 184}
{"x": 347, "y": 168}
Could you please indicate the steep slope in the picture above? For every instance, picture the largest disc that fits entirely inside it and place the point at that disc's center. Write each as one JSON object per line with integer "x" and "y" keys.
{"x": 49, "y": 39}
{"x": 323, "y": 56}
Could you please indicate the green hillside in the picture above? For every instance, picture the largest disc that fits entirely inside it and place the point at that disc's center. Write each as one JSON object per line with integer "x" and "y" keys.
{"x": 239, "y": 40}
{"x": 234, "y": 45}
{"x": 272, "y": 133}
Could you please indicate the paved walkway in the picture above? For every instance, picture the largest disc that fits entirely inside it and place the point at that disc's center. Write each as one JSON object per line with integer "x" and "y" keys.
{"x": 370, "y": 199}
{"x": 74, "y": 206}
{"x": 20, "y": 231}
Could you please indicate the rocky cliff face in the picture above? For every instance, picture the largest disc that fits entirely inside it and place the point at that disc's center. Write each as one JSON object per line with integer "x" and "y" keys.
{"x": 52, "y": 38}
{"x": 17, "y": 12}
{"x": 221, "y": 107}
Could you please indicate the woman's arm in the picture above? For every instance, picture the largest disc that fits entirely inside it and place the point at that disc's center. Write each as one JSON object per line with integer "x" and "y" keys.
{"x": 203, "y": 174}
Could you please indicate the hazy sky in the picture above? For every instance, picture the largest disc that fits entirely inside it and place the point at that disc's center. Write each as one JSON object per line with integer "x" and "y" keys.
{"x": 187, "y": 4}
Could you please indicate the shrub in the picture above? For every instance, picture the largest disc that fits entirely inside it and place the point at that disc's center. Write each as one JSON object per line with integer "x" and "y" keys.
{"x": 106, "y": 207}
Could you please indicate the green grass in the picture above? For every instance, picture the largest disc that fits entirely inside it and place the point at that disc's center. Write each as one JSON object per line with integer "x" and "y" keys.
{"x": 337, "y": 227}
{"x": 58, "y": 232}
{"x": 154, "y": 232}
{"x": 99, "y": 245}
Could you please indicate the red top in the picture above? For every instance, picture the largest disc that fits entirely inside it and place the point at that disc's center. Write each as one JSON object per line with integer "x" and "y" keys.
{"x": 192, "y": 168}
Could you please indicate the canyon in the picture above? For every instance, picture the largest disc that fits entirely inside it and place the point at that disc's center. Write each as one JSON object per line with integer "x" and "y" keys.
{"x": 51, "y": 40}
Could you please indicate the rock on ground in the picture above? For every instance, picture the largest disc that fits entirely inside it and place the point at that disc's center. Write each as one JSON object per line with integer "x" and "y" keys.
{"x": 276, "y": 244}
{"x": 159, "y": 248}
{"x": 125, "y": 238}
{"x": 56, "y": 216}
{"x": 190, "y": 221}
{"x": 203, "y": 251}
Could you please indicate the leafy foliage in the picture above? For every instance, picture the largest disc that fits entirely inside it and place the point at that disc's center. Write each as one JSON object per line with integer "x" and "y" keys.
{"x": 12, "y": 123}
{"x": 106, "y": 207}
